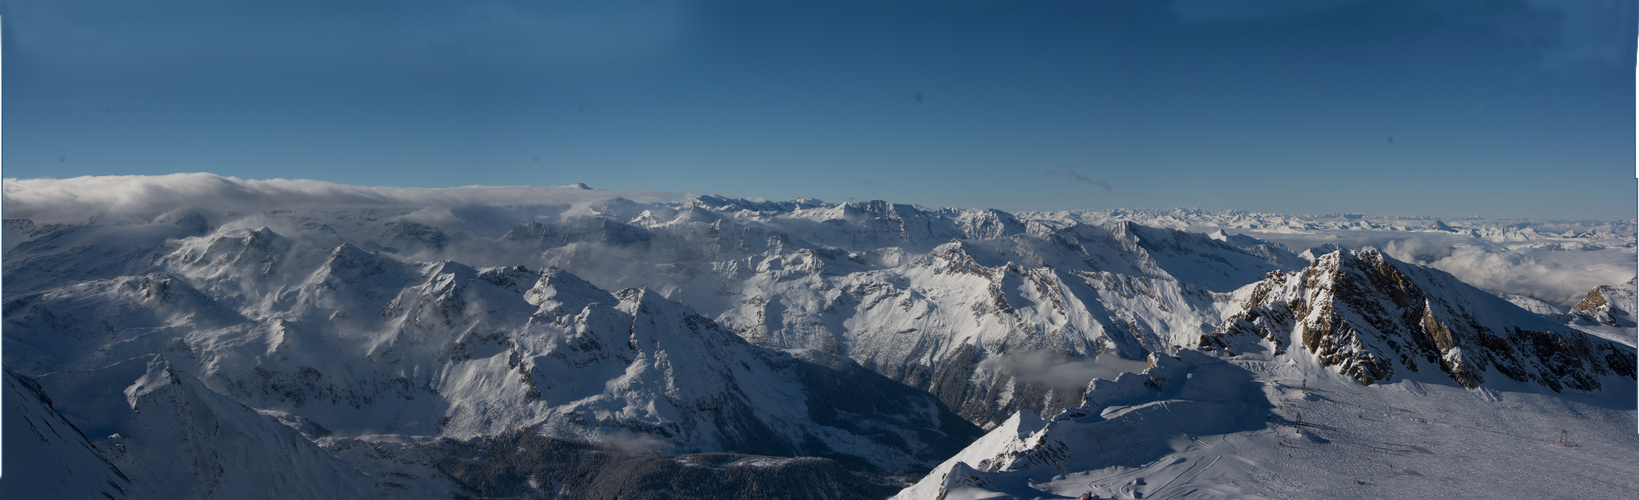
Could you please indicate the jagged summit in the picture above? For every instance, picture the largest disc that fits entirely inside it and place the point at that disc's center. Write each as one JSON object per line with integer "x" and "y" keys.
{"x": 1439, "y": 225}
{"x": 1373, "y": 318}
{"x": 1318, "y": 251}
{"x": 1608, "y": 304}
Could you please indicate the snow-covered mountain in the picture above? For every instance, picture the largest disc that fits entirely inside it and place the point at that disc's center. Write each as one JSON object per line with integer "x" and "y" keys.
{"x": 948, "y": 301}
{"x": 426, "y": 342}
{"x": 360, "y": 343}
{"x": 49, "y": 456}
{"x": 1371, "y": 317}
{"x": 1608, "y": 305}
{"x": 1355, "y": 334}
{"x": 1265, "y": 425}
{"x": 176, "y": 438}
{"x": 1551, "y": 261}
{"x": 1501, "y": 230}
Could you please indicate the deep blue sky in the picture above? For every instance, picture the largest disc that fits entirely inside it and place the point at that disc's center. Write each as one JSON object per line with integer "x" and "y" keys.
{"x": 1447, "y": 108}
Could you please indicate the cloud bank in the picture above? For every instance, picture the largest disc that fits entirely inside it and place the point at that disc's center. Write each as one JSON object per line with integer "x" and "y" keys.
{"x": 1560, "y": 276}
{"x": 141, "y": 198}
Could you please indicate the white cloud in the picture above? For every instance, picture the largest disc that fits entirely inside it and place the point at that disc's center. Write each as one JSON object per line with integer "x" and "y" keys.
{"x": 1558, "y": 276}
{"x": 629, "y": 441}
{"x": 1055, "y": 369}
{"x": 141, "y": 198}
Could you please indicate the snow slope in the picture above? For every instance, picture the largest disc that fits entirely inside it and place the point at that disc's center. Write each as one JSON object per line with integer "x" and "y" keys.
{"x": 1275, "y": 426}
{"x": 175, "y": 438}
{"x": 48, "y": 456}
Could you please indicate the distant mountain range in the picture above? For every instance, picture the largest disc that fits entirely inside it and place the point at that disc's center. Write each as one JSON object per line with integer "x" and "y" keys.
{"x": 374, "y": 349}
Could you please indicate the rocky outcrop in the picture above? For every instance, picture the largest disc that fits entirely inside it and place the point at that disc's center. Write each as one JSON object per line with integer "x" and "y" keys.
{"x": 1369, "y": 316}
{"x": 1608, "y": 304}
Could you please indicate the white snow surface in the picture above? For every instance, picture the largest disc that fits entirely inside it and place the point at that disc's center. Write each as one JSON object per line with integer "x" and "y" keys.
{"x": 175, "y": 438}
{"x": 50, "y": 457}
{"x": 1266, "y": 426}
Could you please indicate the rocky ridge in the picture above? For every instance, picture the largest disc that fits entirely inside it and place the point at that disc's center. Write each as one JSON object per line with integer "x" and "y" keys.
{"x": 1371, "y": 317}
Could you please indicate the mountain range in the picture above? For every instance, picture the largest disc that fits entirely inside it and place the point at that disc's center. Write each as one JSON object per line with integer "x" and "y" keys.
{"x": 799, "y": 349}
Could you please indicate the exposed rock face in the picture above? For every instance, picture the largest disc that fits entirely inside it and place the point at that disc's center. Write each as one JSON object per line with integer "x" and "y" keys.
{"x": 1608, "y": 304}
{"x": 1368, "y": 316}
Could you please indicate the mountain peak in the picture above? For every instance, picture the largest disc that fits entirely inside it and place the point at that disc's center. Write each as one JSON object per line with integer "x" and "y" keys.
{"x": 1368, "y": 316}
{"x": 1608, "y": 304}
{"x": 1441, "y": 226}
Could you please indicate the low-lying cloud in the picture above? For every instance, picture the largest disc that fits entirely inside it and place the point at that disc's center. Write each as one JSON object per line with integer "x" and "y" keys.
{"x": 141, "y": 198}
{"x": 633, "y": 442}
{"x": 1560, "y": 276}
{"x": 1058, "y": 370}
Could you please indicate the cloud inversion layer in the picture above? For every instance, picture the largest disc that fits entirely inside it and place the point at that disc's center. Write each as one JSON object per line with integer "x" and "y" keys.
{"x": 141, "y": 198}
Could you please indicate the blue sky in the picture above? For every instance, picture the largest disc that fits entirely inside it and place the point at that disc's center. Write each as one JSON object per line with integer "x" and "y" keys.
{"x": 1449, "y": 108}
